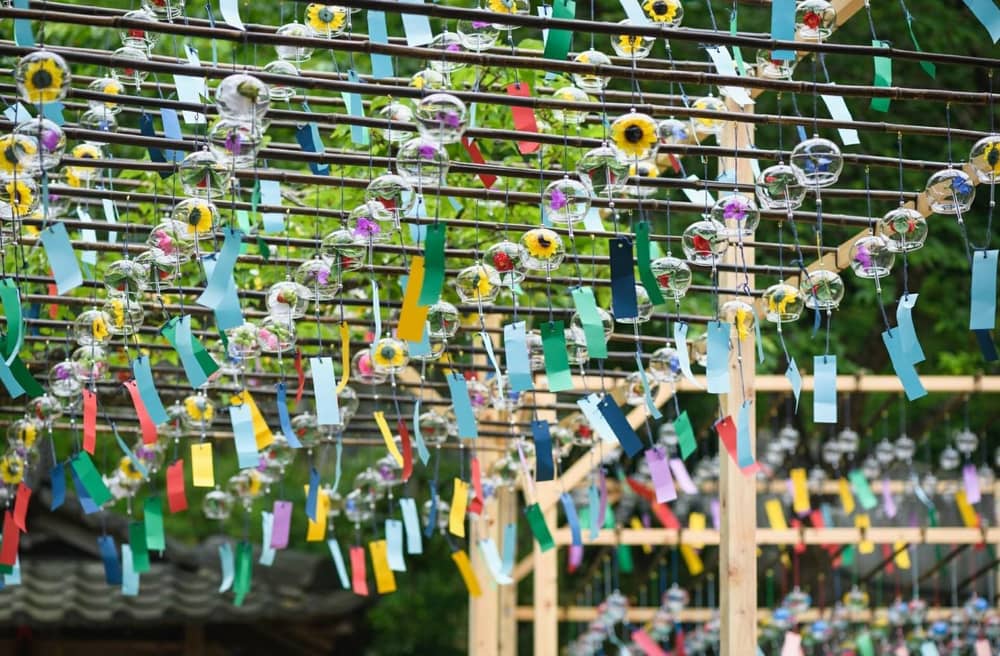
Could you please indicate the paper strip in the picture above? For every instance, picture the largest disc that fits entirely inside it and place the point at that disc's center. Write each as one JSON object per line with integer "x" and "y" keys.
{"x": 246, "y": 445}
{"x": 593, "y": 328}
{"x": 544, "y": 469}
{"x": 839, "y": 112}
{"x": 558, "y": 42}
{"x": 970, "y": 477}
{"x": 21, "y": 500}
{"x": 624, "y": 304}
{"x": 434, "y": 268}
{"x": 717, "y": 366}
{"x": 795, "y": 378}
{"x": 109, "y": 554}
{"x": 682, "y": 477}
{"x": 385, "y": 581}
{"x": 90, "y": 478}
{"x": 417, "y": 27}
{"x": 569, "y": 509}
{"x": 146, "y": 423}
{"x": 989, "y": 15}
{"x": 230, "y": 10}
{"x": 137, "y": 464}
{"x": 647, "y": 644}
{"x": 459, "y": 502}
{"x": 227, "y": 565}
{"x": 137, "y": 544}
{"x": 411, "y": 522}
{"x": 556, "y": 359}
{"x": 659, "y": 471}
{"x": 683, "y": 355}
{"x": 983, "y": 311}
{"x": 744, "y": 450}
{"x": 413, "y": 316}
{"x": 394, "y": 545}
{"x": 727, "y": 433}
{"x": 147, "y": 390}
{"x": 965, "y": 510}
{"x": 24, "y": 36}
{"x": 536, "y": 520}
{"x": 783, "y": 27}
{"x": 312, "y": 494}
{"x": 130, "y": 577}
{"x": 57, "y": 478}
{"x": 509, "y": 548}
{"x": 800, "y": 491}
{"x": 325, "y": 388}
{"x": 524, "y": 116}
{"x": 519, "y": 375}
{"x": 176, "y": 498}
{"x": 725, "y": 66}
{"x": 488, "y": 550}
{"x": 462, "y": 406}
{"x": 89, "y": 421}
{"x": 907, "y": 333}
{"x": 461, "y": 560}
{"x": 62, "y": 260}
{"x": 846, "y": 498}
{"x": 888, "y": 503}
{"x": 685, "y": 435}
{"x": 905, "y": 370}
{"x": 883, "y": 77}
{"x": 619, "y": 425}
{"x": 589, "y": 407}
{"x": 379, "y": 33}
{"x": 152, "y": 512}
{"x": 825, "y": 389}
{"x": 338, "y": 562}
{"x": 650, "y": 406}
{"x": 862, "y": 490}
{"x": 311, "y": 142}
{"x": 267, "y": 552}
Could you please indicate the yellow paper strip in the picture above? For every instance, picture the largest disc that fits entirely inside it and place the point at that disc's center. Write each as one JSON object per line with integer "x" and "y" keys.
{"x": 697, "y": 522}
{"x": 202, "y": 469}
{"x": 637, "y": 525}
{"x": 864, "y": 521}
{"x": 316, "y": 531}
{"x": 965, "y": 509}
{"x": 465, "y": 569}
{"x": 385, "y": 580}
{"x": 459, "y": 501}
{"x": 775, "y": 515}
{"x": 902, "y": 558}
{"x": 345, "y": 356}
{"x": 692, "y": 560}
{"x": 390, "y": 443}
{"x": 800, "y": 491}
{"x": 846, "y": 497}
{"x": 262, "y": 434}
{"x": 413, "y": 316}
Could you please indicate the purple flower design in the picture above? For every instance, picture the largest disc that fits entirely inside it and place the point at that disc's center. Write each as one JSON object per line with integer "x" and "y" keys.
{"x": 323, "y": 276}
{"x": 234, "y": 142}
{"x": 366, "y": 227}
{"x": 734, "y": 210}
{"x": 448, "y": 119}
{"x": 50, "y": 139}
{"x": 426, "y": 151}
{"x": 558, "y": 200}
{"x": 479, "y": 24}
{"x": 863, "y": 256}
{"x": 63, "y": 372}
{"x": 453, "y": 47}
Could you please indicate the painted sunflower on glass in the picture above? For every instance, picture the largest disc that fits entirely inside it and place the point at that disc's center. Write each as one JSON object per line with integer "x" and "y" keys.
{"x": 634, "y": 135}
{"x": 199, "y": 409}
{"x": 127, "y": 470}
{"x": 20, "y": 195}
{"x": 503, "y": 6}
{"x": 15, "y": 152}
{"x": 629, "y": 44}
{"x": 27, "y": 433}
{"x": 326, "y": 20}
{"x": 42, "y": 77}
{"x": 389, "y": 354}
{"x": 664, "y": 11}
{"x": 197, "y": 214}
{"x": 11, "y": 469}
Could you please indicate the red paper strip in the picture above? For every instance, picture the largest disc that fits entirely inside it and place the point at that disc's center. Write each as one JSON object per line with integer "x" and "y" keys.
{"x": 359, "y": 578}
{"x": 727, "y": 433}
{"x": 680, "y": 649}
{"x": 647, "y": 644}
{"x": 675, "y": 163}
{"x": 53, "y": 307}
{"x": 89, "y": 421}
{"x": 21, "y": 506}
{"x": 145, "y": 422}
{"x": 176, "y": 499}
{"x": 476, "y": 505}
{"x": 302, "y": 377}
{"x": 524, "y": 117}
{"x": 404, "y": 437}
{"x": 11, "y": 537}
{"x": 816, "y": 517}
{"x": 476, "y": 156}
{"x": 664, "y": 515}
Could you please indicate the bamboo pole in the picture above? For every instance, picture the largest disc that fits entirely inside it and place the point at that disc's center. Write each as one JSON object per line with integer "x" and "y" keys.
{"x": 700, "y": 615}
{"x": 787, "y": 537}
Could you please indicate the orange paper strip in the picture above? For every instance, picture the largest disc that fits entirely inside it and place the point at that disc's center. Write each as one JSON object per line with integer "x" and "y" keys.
{"x": 413, "y": 316}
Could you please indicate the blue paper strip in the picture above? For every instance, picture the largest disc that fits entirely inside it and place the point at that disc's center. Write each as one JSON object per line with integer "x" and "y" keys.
{"x": 683, "y": 355}
{"x": 130, "y": 577}
{"x": 509, "y": 548}
{"x": 417, "y": 28}
{"x": 905, "y": 371}
{"x": 23, "y": 35}
{"x": 411, "y": 522}
{"x": 572, "y": 519}
{"x": 544, "y": 469}
{"x": 418, "y": 437}
{"x": 634, "y": 12}
{"x": 795, "y": 378}
{"x": 222, "y": 272}
{"x": 62, "y": 259}
{"x": 54, "y": 112}
{"x": 462, "y": 405}
{"x": 185, "y": 349}
{"x": 246, "y": 443}
{"x": 650, "y": 406}
{"x": 593, "y": 510}
{"x": 619, "y": 426}
{"x": 394, "y": 545}
{"x": 988, "y": 14}
{"x": 907, "y": 333}
{"x": 14, "y": 388}
{"x": 359, "y": 133}
{"x": 227, "y": 563}
{"x": 57, "y": 476}
{"x": 378, "y": 33}
{"x": 136, "y": 463}
{"x": 143, "y": 374}
{"x": 717, "y": 366}
{"x": 155, "y": 154}
{"x": 432, "y": 514}
{"x": 270, "y": 196}
{"x": 88, "y": 505}
{"x": 17, "y": 113}
{"x": 267, "y": 552}
{"x": 325, "y": 389}
{"x": 491, "y": 555}
{"x": 172, "y": 130}
{"x": 744, "y": 452}
{"x": 589, "y": 407}
{"x": 14, "y": 578}
{"x": 825, "y": 389}
{"x": 421, "y": 348}
{"x": 284, "y": 420}
{"x": 986, "y": 345}
{"x": 984, "y": 291}
{"x": 624, "y": 304}
{"x": 109, "y": 554}
{"x": 515, "y": 341}
{"x": 308, "y": 137}
{"x": 338, "y": 562}
{"x": 783, "y": 26}
{"x": 312, "y": 498}
{"x": 593, "y": 327}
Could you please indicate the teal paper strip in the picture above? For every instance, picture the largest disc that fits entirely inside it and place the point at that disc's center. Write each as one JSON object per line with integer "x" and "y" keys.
{"x": 556, "y": 359}
{"x": 988, "y": 14}
{"x": 643, "y": 261}
{"x": 143, "y": 375}
{"x": 243, "y": 435}
{"x": 222, "y": 273}
{"x": 825, "y": 389}
{"x": 23, "y": 34}
{"x": 394, "y": 545}
{"x": 593, "y": 328}
{"x": 490, "y": 553}
{"x": 862, "y": 491}
{"x": 744, "y": 451}
{"x": 62, "y": 260}
{"x": 783, "y": 27}
{"x": 416, "y": 27}
{"x": 90, "y": 478}
{"x": 411, "y": 522}
{"x": 905, "y": 370}
{"x": 152, "y": 513}
{"x": 338, "y": 562}
{"x": 717, "y": 367}
{"x": 795, "y": 378}
{"x": 462, "y": 406}
{"x": 359, "y": 133}
{"x": 683, "y": 357}
{"x": 515, "y": 342}
{"x": 379, "y": 33}
{"x": 685, "y": 435}
{"x": 227, "y": 566}
{"x": 650, "y": 406}
{"x": 928, "y": 67}
{"x": 130, "y": 577}
{"x": 558, "y": 43}
{"x": 907, "y": 333}
{"x": 883, "y": 77}
{"x": 984, "y": 291}
{"x": 10, "y": 297}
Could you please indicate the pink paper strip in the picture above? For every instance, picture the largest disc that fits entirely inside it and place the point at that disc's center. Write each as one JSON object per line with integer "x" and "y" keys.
{"x": 982, "y": 648}
{"x": 282, "y": 523}
{"x": 659, "y": 470}
{"x": 575, "y": 557}
{"x": 716, "y": 516}
{"x": 971, "y": 476}
{"x": 888, "y": 503}
{"x": 646, "y": 643}
{"x": 792, "y": 645}
{"x": 682, "y": 477}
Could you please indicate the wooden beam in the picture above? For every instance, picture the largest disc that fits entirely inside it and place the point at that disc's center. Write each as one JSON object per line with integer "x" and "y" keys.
{"x": 638, "y": 614}
{"x": 546, "y": 595}
{"x": 808, "y": 536}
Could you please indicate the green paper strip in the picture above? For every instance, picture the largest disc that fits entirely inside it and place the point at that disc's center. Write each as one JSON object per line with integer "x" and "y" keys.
{"x": 10, "y": 297}
{"x": 847, "y": 556}
{"x": 883, "y": 77}
{"x": 558, "y": 42}
{"x": 643, "y": 261}
{"x": 928, "y": 67}
{"x": 91, "y": 478}
{"x": 865, "y": 645}
{"x": 430, "y": 291}
{"x": 208, "y": 365}
{"x": 625, "y": 563}
{"x": 244, "y": 572}
{"x": 31, "y": 386}
{"x": 593, "y": 328}
{"x": 685, "y": 435}
{"x": 556, "y": 359}
{"x": 737, "y": 53}
{"x": 862, "y": 490}
{"x": 263, "y": 249}
{"x": 152, "y": 511}
{"x": 538, "y": 527}
{"x": 137, "y": 540}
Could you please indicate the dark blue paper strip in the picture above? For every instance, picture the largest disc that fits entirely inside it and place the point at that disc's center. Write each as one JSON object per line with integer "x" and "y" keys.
{"x": 86, "y": 502}
{"x": 433, "y": 513}
{"x": 312, "y": 498}
{"x": 283, "y": 418}
{"x": 986, "y": 345}
{"x": 624, "y": 304}
{"x": 308, "y": 137}
{"x": 109, "y": 554}
{"x": 57, "y": 476}
{"x": 544, "y": 469}
{"x": 619, "y": 425}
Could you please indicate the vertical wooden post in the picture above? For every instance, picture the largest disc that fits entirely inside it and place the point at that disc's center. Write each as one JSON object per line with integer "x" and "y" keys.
{"x": 546, "y": 594}
{"x": 507, "y": 622}
{"x": 737, "y": 492}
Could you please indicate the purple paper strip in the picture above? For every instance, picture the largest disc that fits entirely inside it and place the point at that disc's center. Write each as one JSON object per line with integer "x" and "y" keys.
{"x": 971, "y": 476}
{"x": 282, "y": 522}
{"x": 716, "y": 517}
{"x": 682, "y": 477}
{"x": 604, "y": 501}
{"x": 575, "y": 555}
{"x": 888, "y": 503}
{"x": 659, "y": 469}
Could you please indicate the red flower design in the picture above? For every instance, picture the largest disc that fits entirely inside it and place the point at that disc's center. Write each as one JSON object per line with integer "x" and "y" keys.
{"x": 702, "y": 246}
{"x": 663, "y": 280}
{"x": 502, "y": 262}
{"x": 811, "y": 20}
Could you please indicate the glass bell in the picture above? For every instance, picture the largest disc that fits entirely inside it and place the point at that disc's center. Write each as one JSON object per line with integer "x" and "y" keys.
{"x": 848, "y": 440}
{"x": 63, "y": 381}
{"x": 822, "y": 289}
{"x": 199, "y": 412}
{"x": 306, "y": 430}
{"x": 446, "y": 42}
{"x": 905, "y": 448}
{"x": 204, "y": 175}
{"x": 664, "y": 367}
{"x": 705, "y": 126}
{"x": 631, "y": 46}
{"x": 566, "y": 201}
{"x": 966, "y": 442}
{"x": 433, "y": 428}
{"x": 950, "y": 191}
{"x": 83, "y": 173}
{"x": 885, "y": 453}
{"x": 441, "y": 118}
{"x": 217, "y": 505}
{"x": 394, "y": 112}
{"x": 644, "y": 308}
{"x": 506, "y": 257}
{"x": 371, "y": 222}
{"x": 567, "y": 116}
{"x": 90, "y": 363}
{"x": 344, "y": 250}
{"x": 100, "y": 122}
{"x": 904, "y": 229}
{"x": 638, "y": 171}
{"x": 508, "y": 7}
{"x": 704, "y": 242}
{"x": 19, "y": 195}
{"x": 276, "y": 334}
{"x": 423, "y": 162}
{"x": 429, "y": 80}
{"x": 442, "y": 320}
{"x": 199, "y": 215}
{"x": 42, "y": 77}
{"x": 780, "y": 187}
{"x": 634, "y": 136}
{"x": 242, "y": 98}
{"x": 393, "y": 192}
{"x": 672, "y": 132}
{"x": 243, "y": 341}
{"x": 91, "y": 327}
{"x": 477, "y": 36}
{"x": 666, "y": 12}
{"x": 279, "y": 91}
{"x": 591, "y": 82}
{"x": 673, "y": 276}
{"x": 770, "y": 68}
{"x": 287, "y": 298}
{"x": 126, "y": 277}
{"x": 542, "y": 250}
{"x": 607, "y": 321}
{"x": 169, "y": 9}
{"x": 235, "y": 143}
{"x": 327, "y": 21}
{"x": 576, "y": 345}
{"x": 741, "y": 315}
{"x": 784, "y": 303}
{"x": 479, "y": 283}
{"x": 819, "y": 160}
{"x": 319, "y": 278}
{"x": 49, "y": 139}
{"x": 949, "y": 458}
{"x": 294, "y": 53}
{"x": 137, "y": 36}
{"x": 985, "y": 158}
{"x": 390, "y": 355}
{"x": 789, "y": 437}
{"x": 602, "y": 168}
{"x": 871, "y": 257}
{"x": 173, "y": 240}
{"x": 18, "y": 154}
{"x": 124, "y": 62}
{"x": 737, "y": 213}
{"x": 22, "y": 433}
{"x": 814, "y": 19}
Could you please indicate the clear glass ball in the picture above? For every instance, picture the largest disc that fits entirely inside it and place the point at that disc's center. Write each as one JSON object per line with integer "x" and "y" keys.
{"x": 364, "y": 370}
{"x": 673, "y": 132}
{"x": 770, "y": 68}
{"x": 631, "y": 46}
{"x": 705, "y": 126}
{"x": 607, "y": 322}
{"x": 42, "y": 76}
{"x": 198, "y": 214}
{"x": 281, "y": 91}
{"x": 814, "y": 19}
{"x": 344, "y": 250}
{"x": 603, "y": 168}
{"x": 327, "y": 21}
{"x": 90, "y": 363}
{"x": 235, "y": 143}
{"x": 204, "y": 175}
{"x": 871, "y": 257}
{"x": 393, "y": 193}
{"x": 91, "y": 327}
{"x": 319, "y": 278}
{"x": 390, "y": 355}
{"x": 644, "y": 307}
{"x": 576, "y": 345}
{"x": 169, "y": 9}
{"x": 23, "y": 433}
{"x": 242, "y": 98}
{"x": 294, "y": 53}
{"x": 737, "y": 213}
{"x": 949, "y": 458}
{"x": 75, "y": 175}
{"x": 784, "y": 303}
{"x": 371, "y": 222}
{"x": 634, "y": 136}
{"x": 306, "y": 430}
{"x": 479, "y": 283}
{"x": 124, "y": 60}
{"x": 276, "y": 334}
{"x": 638, "y": 171}
{"x": 673, "y": 276}
{"x": 172, "y": 241}
{"x": 199, "y": 413}
{"x": 217, "y": 505}
{"x": 394, "y": 112}
{"x": 434, "y": 428}
{"x": 591, "y": 82}
{"x": 20, "y": 195}
{"x": 441, "y": 118}
{"x": 137, "y": 36}
{"x": 477, "y": 36}
{"x": 126, "y": 315}
{"x": 905, "y": 448}
{"x": 287, "y": 298}
{"x": 985, "y": 158}
{"x": 446, "y": 42}
{"x": 543, "y": 250}
{"x": 822, "y": 289}
{"x": 741, "y": 315}
{"x": 950, "y": 191}
{"x": 423, "y": 162}
{"x": 126, "y": 277}
{"x": 966, "y": 441}
{"x": 49, "y": 139}
{"x": 244, "y": 342}
{"x": 429, "y": 80}
{"x": 19, "y": 154}
{"x": 904, "y": 229}
{"x": 704, "y": 242}
{"x": 664, "y": 367}
{"x": 566, "y": 201}
{"x": 99, "y": 121}
{"x": 566, "y": 116}
{"x": 788, "y": 438}
{"x": 442, "y": 320}
{"x": 63, "y": 381}
{"x": 885, "y": 453}
{"x": 506, "y": 257}
{"x": 819, "y": 160}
